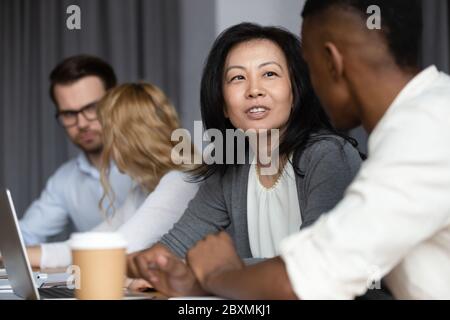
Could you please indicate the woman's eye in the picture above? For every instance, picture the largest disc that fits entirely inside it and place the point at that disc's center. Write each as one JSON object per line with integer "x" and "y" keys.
{"x": 270, "y": 74}
{"x": 239, "y": 77}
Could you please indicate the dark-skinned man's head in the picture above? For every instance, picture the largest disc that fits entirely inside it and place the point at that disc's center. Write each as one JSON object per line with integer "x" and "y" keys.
{"x": 342, "y": 51}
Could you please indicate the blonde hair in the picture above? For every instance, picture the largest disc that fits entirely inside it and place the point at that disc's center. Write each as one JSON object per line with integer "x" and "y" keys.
{"x": 138, "y": 121}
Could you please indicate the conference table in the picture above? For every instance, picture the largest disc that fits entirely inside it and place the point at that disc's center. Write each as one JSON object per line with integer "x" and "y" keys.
{"x": 58, "y": 275}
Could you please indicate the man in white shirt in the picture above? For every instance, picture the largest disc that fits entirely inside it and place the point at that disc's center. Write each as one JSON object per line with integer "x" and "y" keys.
{"x": 394, "y": 220}
{"x": 73, "y": 192}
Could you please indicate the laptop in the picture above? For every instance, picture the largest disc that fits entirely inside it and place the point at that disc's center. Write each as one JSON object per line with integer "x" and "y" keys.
{"x": 15, "y": 259}
{"x": 17, "y": 265}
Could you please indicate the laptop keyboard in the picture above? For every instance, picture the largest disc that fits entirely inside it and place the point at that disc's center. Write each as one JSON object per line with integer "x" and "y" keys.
{"x": 54, "y": 293}
{"x": 65, "y": 293}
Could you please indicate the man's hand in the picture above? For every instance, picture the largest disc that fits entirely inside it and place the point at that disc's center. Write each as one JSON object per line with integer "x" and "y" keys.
{"x": 132, "y": 269}
{"x": 149, "y": 254}
{"x": 220, "y": 271}
{"x": 213, "y": 255}
{"x": 166, "y": 272}
{"x": 137, "y": 285}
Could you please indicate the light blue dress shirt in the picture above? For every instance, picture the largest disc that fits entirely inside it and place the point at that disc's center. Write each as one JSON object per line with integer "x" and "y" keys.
{"x": 72, "y": 194}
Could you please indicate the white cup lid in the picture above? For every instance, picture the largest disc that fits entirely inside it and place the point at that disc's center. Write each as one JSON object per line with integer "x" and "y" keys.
{"x": 97, "y": 240}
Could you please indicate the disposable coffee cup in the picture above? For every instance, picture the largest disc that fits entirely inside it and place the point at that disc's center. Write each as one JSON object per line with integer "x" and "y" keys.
{"x": 99, "y": 262}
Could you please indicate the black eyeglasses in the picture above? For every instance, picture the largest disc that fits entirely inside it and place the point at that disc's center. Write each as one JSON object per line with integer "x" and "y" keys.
{"x": 69, "y": 118}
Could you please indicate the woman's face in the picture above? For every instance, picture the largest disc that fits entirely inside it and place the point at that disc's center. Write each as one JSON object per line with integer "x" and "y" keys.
{"x": 256, "y": 86}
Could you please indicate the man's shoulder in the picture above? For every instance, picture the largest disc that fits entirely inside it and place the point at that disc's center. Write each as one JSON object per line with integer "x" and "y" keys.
{"x": 434, "y": 97}
{"x": 429, "y": 109}
{"x": 66, "y": 169}
{"x": 434, "y": 100}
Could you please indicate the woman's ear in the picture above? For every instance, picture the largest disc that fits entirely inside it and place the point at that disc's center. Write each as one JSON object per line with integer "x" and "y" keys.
{"x": 334, "y": 60}
{"x": 225, "y": 112}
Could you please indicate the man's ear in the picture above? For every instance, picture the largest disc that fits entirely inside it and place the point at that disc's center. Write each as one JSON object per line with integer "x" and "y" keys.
{"x": 335, "y": 60}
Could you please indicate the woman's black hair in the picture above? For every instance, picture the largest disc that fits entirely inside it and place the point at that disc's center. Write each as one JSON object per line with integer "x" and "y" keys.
{"x": 307, "y": 123}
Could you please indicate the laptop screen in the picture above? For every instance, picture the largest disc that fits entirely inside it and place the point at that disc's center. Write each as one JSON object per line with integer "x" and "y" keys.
{"x": 13, "y": 251}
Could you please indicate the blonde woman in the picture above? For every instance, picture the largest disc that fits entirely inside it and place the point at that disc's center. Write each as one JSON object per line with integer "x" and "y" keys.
{"x": 137, "y": 121}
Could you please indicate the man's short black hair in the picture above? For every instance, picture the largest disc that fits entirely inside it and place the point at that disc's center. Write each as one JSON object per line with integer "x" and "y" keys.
{"x": 76, "y": 67}
{"x": 401, "y": 23}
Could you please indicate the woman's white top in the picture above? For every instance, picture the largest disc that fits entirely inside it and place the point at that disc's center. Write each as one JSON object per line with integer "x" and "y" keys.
{"x": 272, "y": 213}
{"x": 142, "y": 220}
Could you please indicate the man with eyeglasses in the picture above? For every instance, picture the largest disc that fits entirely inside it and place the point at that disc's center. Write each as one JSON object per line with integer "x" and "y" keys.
{"x": 72, "y": 194}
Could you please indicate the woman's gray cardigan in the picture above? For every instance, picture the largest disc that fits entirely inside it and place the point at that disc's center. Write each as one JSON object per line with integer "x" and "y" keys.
{"x": 329, "y": 166}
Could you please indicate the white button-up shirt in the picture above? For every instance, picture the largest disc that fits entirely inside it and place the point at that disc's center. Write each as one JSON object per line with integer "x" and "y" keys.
{"x": 72, "y": 193}
{"x": 394, "y": 220}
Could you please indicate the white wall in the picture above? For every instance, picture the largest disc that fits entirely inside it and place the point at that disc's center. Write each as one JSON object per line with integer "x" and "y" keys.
{"x": 284, "y": 13}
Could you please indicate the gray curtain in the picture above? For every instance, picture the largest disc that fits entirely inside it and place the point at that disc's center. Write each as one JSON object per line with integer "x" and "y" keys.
{"x": 436, "y": 36}
{"x": 139, "y": 38}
